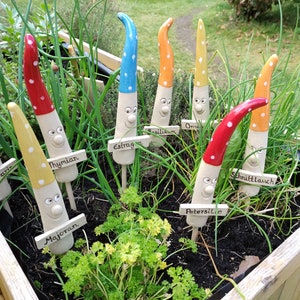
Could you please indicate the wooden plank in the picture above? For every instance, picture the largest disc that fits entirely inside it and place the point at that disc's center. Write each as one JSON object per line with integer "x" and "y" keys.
{"x": 109, "y": 60}
{"x": 291, "y": 288}
{"x": 271, "y": 274}
{"x": 14, "y": 285}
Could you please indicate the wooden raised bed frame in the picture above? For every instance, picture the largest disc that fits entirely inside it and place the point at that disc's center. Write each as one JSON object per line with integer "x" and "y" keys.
{"x": 14, "y": 285}
{"x": 275, "y": 278}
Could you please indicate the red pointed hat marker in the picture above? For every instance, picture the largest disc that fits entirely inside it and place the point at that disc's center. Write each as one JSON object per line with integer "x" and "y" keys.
{"x": 211, "y": 162}
{"x": 38, "y": 95}
{"x": 216, "y": 149}
{"x": 51, "y": 127}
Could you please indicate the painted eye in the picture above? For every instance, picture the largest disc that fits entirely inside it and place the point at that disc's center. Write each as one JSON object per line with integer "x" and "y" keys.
{"x": 197, "y": 100}
{"x": 206, "y": 180}
{"x": 253, "y": 148}
{"x": 56, "y": 198}
{"x": 51, "y": 132}
{"x": 260, "y": 150}
{"x": 169, "y": 101}
{"x": 128, "y": 110}
{"x": 48, "y": 201}
{"x": 203, "y": 100}
{"x": 59, "y": 129}
{"x": 214, "y": 180}
{"x": 163, "y": 101}
{"x": 134, "y": 109}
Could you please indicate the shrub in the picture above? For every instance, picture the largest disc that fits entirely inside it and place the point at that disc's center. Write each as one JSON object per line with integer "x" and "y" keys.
{"x": 251, "y": 9}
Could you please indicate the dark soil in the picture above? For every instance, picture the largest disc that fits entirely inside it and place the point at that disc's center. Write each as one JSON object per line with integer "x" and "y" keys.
{"x": 235, "y": 239}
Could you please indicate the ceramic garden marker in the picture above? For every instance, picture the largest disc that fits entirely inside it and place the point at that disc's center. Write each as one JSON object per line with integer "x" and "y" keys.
{"x": 211, "y": 162}
{"x": 5, "y": 188}
{"x": 62, "y": 159}
{"x": 125, "y": 137}
{"x": 200, "y": 101}
{"x": 252, "y": 173}
{"x": 45, "y": 188}
{"x": 200, "y": 105}
{"x": 162, "y": 104}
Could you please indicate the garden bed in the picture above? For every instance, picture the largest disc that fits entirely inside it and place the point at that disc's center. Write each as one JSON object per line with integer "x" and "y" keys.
{"x": 237, "y": 238}
{"x": 221, "y": 247}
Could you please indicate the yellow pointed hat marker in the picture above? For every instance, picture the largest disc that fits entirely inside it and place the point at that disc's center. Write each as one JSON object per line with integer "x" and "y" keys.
{"x": 200, "y": 100}
{"x": 200, "y": 106}
{"x": 38, "y": 169}
{"x": 257, "y": 141}
{"x": 46, "y": 190}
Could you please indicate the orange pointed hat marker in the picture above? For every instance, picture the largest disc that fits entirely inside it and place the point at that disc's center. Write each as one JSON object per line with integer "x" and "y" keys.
{"x": 162, "y": 105}
{"x": 166, "y": 69}
{"x": 260, "y": 118}
{"x": 257, "y": 141}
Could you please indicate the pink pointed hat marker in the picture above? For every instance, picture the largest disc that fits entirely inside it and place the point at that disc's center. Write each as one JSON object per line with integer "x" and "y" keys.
{"x": 51, "y": 127}
{"x": 210, "y": 165}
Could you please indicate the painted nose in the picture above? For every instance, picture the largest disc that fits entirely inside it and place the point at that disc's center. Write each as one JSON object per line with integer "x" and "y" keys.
{"x": 209, "y": 190}
{"x": 253, "y": 160}
{"x": 56, "y": 211}
{"x": 131, "y": 118}
{"x": 58, "y": 140}
{"x": 165, "y": 110}
{"x": 199, "y": 108}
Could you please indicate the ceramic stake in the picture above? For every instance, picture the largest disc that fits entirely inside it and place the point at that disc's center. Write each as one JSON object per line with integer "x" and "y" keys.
{"x": 5, "y": 188}
{"x": 125, "y": 138}
{"x": 51, "y": 127}
{"x": 200, "y": 101}
{"x": 162, "y": 104}
{"x": 211, "y": 162}
{"x": 252, "y": 173}
{"x": 45, "y": 188}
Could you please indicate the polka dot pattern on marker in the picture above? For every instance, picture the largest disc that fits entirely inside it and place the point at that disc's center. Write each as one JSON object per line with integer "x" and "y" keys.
{"x": 201, "y": 72}
{"x": 217, "y": 146}
{"x": 37, "y": 92}
{"x": 39, "y": 171}
{"x": 260, "y": 118}
{"x": 128, "y": 69}
{"x": 166, "y": 70}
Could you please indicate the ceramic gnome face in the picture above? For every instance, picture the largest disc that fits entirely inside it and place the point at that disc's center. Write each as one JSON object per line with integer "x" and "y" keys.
{"x": 45, "y": 188}
{"x": 46, "y": 114}
{"x": 200, "y": 103}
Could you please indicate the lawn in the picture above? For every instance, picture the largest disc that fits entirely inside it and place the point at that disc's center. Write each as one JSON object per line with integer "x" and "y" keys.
{"x": 242, "y": 44}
